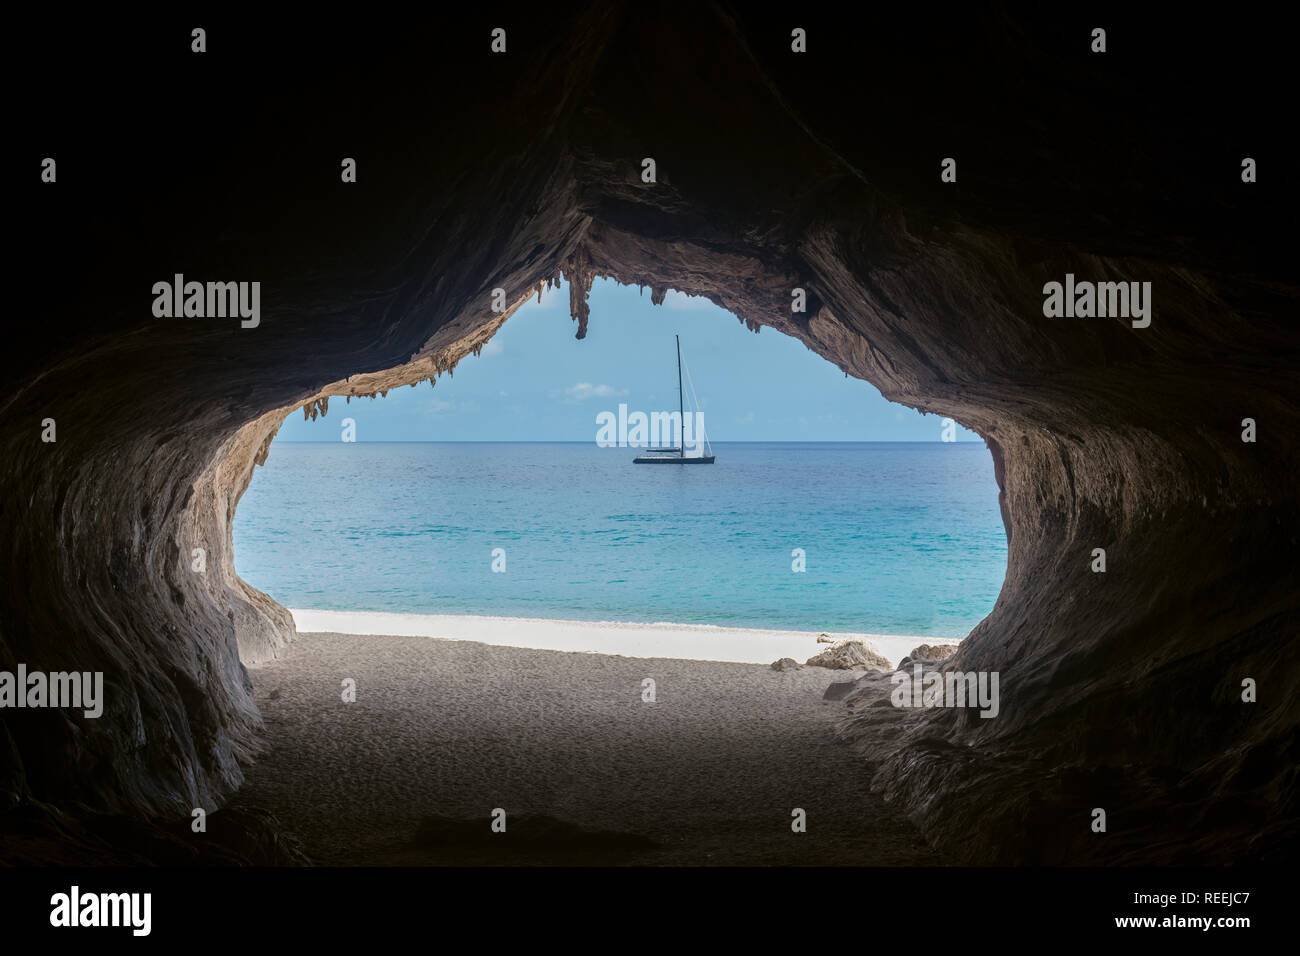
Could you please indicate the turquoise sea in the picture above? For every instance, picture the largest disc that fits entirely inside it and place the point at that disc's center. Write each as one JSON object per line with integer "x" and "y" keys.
{"x": 898, "y": 538}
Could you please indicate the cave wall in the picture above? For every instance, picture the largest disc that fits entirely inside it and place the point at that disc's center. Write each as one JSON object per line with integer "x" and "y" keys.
{"x": 774, "y": 170}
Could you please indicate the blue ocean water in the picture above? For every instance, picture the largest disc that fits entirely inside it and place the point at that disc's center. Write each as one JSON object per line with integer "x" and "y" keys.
{"x": 899, "y": 538}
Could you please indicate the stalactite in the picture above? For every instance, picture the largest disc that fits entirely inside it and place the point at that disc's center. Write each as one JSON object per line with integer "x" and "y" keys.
{"x": 580, "y": 276}
{"x": 260, "y": 458}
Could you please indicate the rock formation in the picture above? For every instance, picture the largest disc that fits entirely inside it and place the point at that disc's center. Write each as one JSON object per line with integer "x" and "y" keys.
{"x": 848, "y": 655}
{"x": 929, "y": 652}
{"x": 775, "y": 170}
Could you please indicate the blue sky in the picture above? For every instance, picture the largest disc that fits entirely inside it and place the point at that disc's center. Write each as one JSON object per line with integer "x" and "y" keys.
{"x": 535, "y": 382}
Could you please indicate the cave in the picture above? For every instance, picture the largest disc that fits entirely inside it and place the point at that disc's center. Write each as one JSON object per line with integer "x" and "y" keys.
{"x": 478, "y": 171}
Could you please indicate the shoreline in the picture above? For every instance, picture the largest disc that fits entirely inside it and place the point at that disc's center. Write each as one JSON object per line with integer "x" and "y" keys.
{"x": 693, "y": 642}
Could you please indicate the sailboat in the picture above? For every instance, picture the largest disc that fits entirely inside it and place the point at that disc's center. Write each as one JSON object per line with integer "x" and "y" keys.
{"x": 677, "y": 456}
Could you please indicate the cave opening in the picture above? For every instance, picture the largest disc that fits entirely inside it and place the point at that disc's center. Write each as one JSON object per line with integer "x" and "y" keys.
{"x": 584, "y": 594}
{"x": 833, "y": 512}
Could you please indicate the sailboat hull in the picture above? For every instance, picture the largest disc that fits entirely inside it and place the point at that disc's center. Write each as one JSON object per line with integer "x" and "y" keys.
{"x": 673, "y": 460}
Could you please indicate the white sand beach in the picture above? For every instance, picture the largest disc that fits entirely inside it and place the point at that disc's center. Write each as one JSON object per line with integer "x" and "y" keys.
{"x": 691, "y": 642}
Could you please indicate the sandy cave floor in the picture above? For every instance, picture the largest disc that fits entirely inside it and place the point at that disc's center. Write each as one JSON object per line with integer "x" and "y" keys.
{"x": 444, "y": 732}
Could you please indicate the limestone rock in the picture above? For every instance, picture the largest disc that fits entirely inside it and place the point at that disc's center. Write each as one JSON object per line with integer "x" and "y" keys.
{"x": 847, "y": 655}
{"x": 932, "y": 652}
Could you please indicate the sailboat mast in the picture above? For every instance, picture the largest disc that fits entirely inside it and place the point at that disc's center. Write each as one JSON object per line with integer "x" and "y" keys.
{"x": 681, "y": 405}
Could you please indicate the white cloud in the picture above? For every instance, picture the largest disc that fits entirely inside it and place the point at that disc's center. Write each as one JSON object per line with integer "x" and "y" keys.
{"x": 493, "y": 347}
{"x": 746, "y": 419}
{"x": 585, "y": 390}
